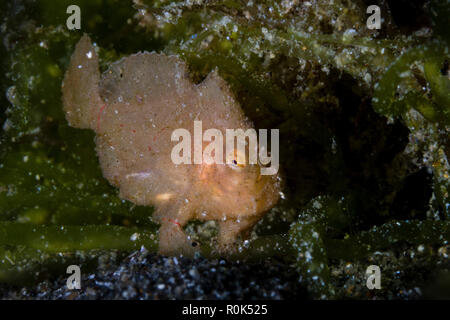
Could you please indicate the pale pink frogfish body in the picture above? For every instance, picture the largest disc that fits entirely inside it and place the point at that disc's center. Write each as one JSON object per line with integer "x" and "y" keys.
{"x": 134, "y": 107}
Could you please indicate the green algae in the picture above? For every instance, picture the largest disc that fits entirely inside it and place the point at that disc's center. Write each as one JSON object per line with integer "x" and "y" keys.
{"x": 316, "y": 243}
{"x": 382, "y": 237}
{"x": 400, "y": 92}
{"x": 285, "y": 63}
{"x": 306, "y": 238}
{"x": 385, "y": 100}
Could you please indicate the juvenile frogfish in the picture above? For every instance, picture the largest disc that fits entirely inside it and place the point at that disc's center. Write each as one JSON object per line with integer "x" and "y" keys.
{"x": 133, "y": 108}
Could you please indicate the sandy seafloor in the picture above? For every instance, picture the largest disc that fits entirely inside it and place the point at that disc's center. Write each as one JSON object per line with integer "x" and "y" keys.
{"x": 143, "y": 275}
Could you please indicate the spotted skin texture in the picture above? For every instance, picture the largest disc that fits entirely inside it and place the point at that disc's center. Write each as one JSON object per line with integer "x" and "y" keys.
{"x": 134, "y": 107}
